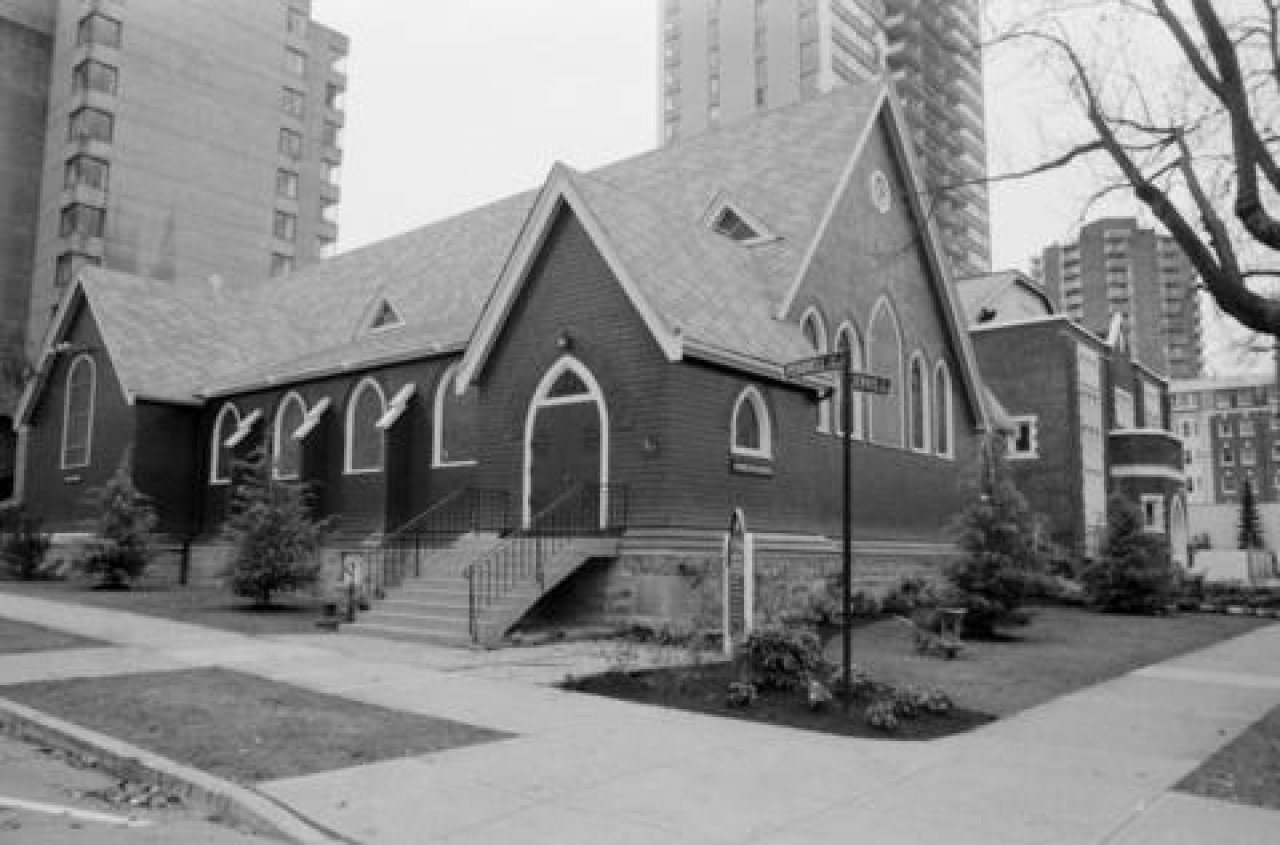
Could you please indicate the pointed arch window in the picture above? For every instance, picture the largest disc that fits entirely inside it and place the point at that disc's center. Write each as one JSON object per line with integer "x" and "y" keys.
{"x": 885, "y": 359}
{"x": 918, "y": 404}
{"x": 942, "y": 410}
{"x": 815, "y": 333}
{"x": 751, "y": 433}
{"x": 849, "y": 338}
{"x": 364, "y": 438}
{"x": 220, "y": 454}
{"x": 77, "y": 412}
{"x": 286, "y": 448}
{"x": 453, "y": 423}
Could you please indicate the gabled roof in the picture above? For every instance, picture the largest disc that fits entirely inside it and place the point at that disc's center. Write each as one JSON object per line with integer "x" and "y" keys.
{"x": 983, "y": 292}
{"x": 453, "y": 282}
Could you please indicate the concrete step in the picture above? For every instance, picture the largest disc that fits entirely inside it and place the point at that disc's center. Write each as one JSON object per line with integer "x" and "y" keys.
{"x": 417, "y": 620}
{"x": 448, "y": 637}
{"x": 426, "y": 593}
{"x": 409, "y": 607}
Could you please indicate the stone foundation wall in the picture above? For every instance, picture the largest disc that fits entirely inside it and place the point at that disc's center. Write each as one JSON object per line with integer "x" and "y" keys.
{"x": 681, "y": 590}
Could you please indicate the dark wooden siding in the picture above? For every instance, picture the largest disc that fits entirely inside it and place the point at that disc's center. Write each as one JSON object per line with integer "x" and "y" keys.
{"x": 55, "y": 494}
{"x": 166, "y": 461}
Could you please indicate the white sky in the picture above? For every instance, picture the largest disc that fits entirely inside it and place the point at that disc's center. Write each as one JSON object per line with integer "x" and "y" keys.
{"x": 453, "y": 104}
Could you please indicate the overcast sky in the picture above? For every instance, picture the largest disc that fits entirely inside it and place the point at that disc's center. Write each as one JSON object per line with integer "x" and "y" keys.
{"x": 451, "y": 105}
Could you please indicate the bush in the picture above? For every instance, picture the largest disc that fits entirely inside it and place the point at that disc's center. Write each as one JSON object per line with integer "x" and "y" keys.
{"x": 1134, "y": 573}
{"x": 997, "y": 533}
{"x": 881, "y": 715}
{"x": 125, "y": 541}
{"x": 274, "y": 535}
{"x": 22, "y": 544}
{"x": 781, "y": 658}
{"x": 741, "y": 694}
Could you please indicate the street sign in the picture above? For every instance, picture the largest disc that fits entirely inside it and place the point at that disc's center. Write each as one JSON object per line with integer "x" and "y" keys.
{"x": 812, "y": 366}
{"x": 867, "y": 383}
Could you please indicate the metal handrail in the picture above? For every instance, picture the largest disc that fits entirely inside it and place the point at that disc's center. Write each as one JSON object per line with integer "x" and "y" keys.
{"x": 405, "y": 549}
{"x": 583, "y": 510}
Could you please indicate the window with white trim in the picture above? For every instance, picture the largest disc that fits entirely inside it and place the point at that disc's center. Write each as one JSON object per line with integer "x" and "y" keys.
{"x": 287, "y": 450}
{"x": 884, "y": 358}
{"x": 453, "y": 423}
{"x": 918, "y": 405}
{"x": 1228, "y": 483}
{"x": 751, "y": 434}
{"x": 1024, "y": 442}
{"x": 1153, "y": 514}
{"x": 1224, "y": 427}
{"x": 1124, "y": 409}
{"x": 943, "y": 413}
{"x": 815, "y": 332}
{"x": 77, "y": 412}
{"x": 364, "y": 451}
{"x": 220, "y": 454}
{"x": 1228, "y": 456}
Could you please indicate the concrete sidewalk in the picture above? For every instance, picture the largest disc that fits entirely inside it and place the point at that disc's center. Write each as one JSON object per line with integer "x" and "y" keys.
{"x": 1091, "y": 767}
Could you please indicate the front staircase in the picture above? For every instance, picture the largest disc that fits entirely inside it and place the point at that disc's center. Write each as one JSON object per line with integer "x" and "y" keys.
{"x": 471, "y": 589}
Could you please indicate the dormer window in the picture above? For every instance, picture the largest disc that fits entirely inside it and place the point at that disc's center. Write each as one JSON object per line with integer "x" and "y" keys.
{"x": 729, "y": 220}
{"x": 385, "y": 317}
{"x": 731, "y": 225}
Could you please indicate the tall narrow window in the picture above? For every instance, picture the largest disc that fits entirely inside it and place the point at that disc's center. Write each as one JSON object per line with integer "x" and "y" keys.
{"x": 942, "y": 413}
{"x": 288, "y": 450}
{"x": 287, "y": 184}
{"x": 453, "y": 424}
{"x": 885, "y": 359}
{"x": 918, "y": 410}
{"x": 296, "y": 61}
{"x": 77, "y": 412}
{"x": 285, "y": 226}
{"x": 86, "y": 171}
{"x": 220, "y": 454}
{"x": 751, "y": 434}
{"x": 815, "y": 332}
{"x": 290, "y": 143}
{"x": 90, "y": 124}
{"x": 92, "y": 75}
{"x": 364, "y": 438}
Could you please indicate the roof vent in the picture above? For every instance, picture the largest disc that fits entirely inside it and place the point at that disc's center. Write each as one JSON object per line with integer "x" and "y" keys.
{"x": 730, "y": 224}
{"x": 726, "y": 218}
{"x": 385, "y": 317}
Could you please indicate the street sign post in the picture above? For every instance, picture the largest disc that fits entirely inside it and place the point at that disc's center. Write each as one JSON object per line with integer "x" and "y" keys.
{"x": 849, "y": 382}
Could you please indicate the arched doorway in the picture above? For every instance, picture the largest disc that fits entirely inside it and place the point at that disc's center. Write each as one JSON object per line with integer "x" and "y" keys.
{"x": 566, "y": 437}
{"x": 1179, "y": 533}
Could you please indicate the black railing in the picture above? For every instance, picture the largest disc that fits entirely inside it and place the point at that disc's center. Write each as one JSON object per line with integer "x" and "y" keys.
{"x": 584, "y": 510}
{"x": 403, "y": 552}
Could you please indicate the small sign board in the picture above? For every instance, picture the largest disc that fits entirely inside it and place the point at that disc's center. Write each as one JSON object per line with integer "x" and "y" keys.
{"x": 812, "y": 366}
{"x": 867, "y": 383}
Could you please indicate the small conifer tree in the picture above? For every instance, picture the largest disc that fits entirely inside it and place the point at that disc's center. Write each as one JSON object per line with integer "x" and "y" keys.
{"x": 126, "y": 521}
{"x": 1134, "y": 574}
{"x": 1249, "y": 534}
{"x": 997, "y": 533}
{"x": 273, "y": 532}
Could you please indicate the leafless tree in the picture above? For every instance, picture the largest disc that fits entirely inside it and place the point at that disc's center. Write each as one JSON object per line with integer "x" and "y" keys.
{"x": 1192, "y": 136}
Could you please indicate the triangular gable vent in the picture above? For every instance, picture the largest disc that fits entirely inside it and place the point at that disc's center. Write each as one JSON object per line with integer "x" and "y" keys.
{"x": 385, "y": 316}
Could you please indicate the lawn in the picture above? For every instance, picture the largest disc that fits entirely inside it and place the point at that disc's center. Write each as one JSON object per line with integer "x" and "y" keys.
{"x": 210, "y": 606}
{"x": 1247, "y": 771}
{"x": 19, "y": 637}
{"x": 1063, "y": 649}
{"x": 242, "y": 727}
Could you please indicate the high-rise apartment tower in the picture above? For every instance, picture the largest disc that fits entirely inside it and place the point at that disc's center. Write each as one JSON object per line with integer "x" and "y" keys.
{"x": 1115, "y": 266}
{"x": 725, "y": 59}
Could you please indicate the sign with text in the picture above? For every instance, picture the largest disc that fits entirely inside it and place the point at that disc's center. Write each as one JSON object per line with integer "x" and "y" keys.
{"x": 833, "y": 361}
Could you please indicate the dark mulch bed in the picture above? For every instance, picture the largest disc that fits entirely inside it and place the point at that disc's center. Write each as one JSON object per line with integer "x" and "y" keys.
{"x": 242, "y": 727}
{"x": 1247, "y": 771}
{"x": 702, "y": 688}
{"x": 291, "y": 613}
{"x": 19, "y": 637}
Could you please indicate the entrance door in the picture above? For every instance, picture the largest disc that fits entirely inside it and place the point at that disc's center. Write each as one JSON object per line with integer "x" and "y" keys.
{"x": 566, "y": 437}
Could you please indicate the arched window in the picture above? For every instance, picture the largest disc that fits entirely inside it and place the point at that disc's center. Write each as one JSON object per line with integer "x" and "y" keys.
{"x": 364, "y": 438}
{"x": 751, "y": 433}
{"x": 815, "y": 332}
{"x": 77, "y": 412}
{"x": 453, "y": 424}
{"x": 942, "y": 413}
{"x": 885, "y": 359}
{"x": 287, "y": 449}
{"x": 918, "y": 404}
{"x": 847, "y": 337}
{"x": 220, "y": 454}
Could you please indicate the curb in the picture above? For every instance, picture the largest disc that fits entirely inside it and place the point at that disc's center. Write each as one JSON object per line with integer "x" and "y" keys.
{"x": 241, "y": 805}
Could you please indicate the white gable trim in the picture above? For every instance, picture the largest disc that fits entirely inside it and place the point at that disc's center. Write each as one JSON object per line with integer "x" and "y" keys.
{"x": 559, "y": 191}
{"x": 842, "y": 186}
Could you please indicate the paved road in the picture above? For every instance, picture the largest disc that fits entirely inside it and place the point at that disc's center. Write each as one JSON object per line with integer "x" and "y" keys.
{"x": 46, "y": 800}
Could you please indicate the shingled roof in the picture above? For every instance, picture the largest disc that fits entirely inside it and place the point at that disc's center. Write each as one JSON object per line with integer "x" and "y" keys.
{"x": 183, "y": 343}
